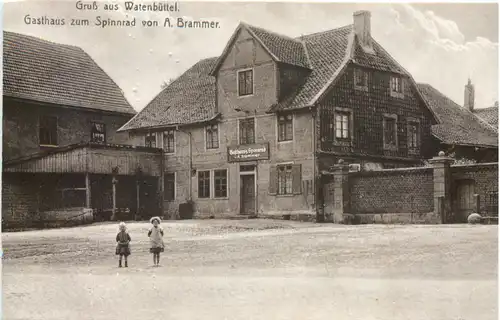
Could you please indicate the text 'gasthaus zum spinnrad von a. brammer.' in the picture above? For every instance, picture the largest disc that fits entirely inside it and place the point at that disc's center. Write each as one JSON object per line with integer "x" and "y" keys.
{"x": 123, "y": 14}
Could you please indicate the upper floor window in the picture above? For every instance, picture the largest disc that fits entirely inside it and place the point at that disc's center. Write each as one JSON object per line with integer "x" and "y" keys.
{"x": 413, "y": 135}
{"x": 169, "y": 141}
{"x": 390, "y": 132}
{"x": 150, "y": 140}
{"x": 396, "y": 86}
{"x": 203, "y": 184}
{"x": 98, "y": 133}
{"x": 245, "y": 82}
{"x": 360, "y": 79}
{"x": 285, "y": 127}
{"x": 48, "y": 130}
{"x": 341, "y": 125}
{"x": 169, "y": 186}
{"x": 212, "y": 136}
{"x": 247, "y": 131}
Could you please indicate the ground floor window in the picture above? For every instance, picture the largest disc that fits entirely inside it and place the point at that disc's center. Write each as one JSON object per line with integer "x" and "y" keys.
{"x": 285, "y": 179}
{"x": 204, "y": 184}
{"x": 169, "y": 186}
{"x": 220, "y": 183}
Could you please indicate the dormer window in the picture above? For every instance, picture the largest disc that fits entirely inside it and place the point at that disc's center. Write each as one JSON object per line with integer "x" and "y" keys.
{"x": 245, "y": 83}
{"x": 361, "y": 79}
{"x": 397, "y": 87}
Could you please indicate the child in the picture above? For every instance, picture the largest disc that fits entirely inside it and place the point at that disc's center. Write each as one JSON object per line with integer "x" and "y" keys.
{"x": 155, "y": 235}
{"x": 122, "y": 246}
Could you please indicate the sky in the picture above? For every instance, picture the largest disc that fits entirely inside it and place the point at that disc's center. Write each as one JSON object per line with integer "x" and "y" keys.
{"x": 439, "y": 44}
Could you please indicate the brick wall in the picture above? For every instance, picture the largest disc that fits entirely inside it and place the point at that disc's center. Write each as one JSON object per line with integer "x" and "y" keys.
{"x": 392, "y": 191}
{"x": 437, "y": 194}
{"x": 485, "y": 177}
{"x": 19, "y": 200}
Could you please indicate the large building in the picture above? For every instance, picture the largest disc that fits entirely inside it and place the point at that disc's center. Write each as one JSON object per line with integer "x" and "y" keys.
{"x": 61, "y": 151}
{"x": 256, "y": 130}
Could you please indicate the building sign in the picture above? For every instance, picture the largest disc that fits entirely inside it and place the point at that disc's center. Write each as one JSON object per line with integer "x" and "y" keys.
{"x": 248, "y": 152}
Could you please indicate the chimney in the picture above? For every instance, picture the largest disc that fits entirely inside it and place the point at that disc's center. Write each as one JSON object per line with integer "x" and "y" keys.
{"x": 469, "y": 96}
{"x": 362, "y": 29}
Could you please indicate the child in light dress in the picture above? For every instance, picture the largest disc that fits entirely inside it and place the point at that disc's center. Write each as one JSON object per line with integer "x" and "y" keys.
{"x": 155, "y": 235}
{"x": 123, "y": 244}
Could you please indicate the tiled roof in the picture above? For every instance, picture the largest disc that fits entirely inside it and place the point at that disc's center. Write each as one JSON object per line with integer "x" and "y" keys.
{"x": 285, "y": 49}
{"x": 324, "y": 53}
{"x": 49, "y": 72}
{"x": 188, "y": 99}
{"x": 489, "y": 115}
{"x": 457, "y": 125}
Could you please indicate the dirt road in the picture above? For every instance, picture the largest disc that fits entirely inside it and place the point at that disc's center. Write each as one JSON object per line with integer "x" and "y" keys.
{"x": 254, "y": 270}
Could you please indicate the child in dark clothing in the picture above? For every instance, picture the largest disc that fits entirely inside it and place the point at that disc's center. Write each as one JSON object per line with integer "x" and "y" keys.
{"x": 123, "y": 244}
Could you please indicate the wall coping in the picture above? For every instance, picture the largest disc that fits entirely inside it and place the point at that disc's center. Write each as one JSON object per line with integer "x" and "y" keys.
{"x": 395, "y": 170}
{"x": 486, "y": 164}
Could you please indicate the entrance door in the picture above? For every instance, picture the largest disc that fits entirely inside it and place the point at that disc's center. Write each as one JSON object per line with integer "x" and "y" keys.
{"x": 464, "y": 199}
{"x": 247, "y": 194}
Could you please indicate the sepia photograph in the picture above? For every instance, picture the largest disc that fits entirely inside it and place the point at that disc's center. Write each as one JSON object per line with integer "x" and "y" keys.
{"x": 249, "y": 160}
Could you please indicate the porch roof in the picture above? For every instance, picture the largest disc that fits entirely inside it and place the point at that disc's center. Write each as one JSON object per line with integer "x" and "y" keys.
{"x": 90, "y": 158}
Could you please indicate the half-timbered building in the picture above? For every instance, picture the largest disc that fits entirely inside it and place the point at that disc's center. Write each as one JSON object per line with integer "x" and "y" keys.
{"x": 256, "y": 130}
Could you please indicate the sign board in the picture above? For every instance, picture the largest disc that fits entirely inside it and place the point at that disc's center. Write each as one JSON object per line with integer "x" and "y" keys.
{"x": 248, "y": 152}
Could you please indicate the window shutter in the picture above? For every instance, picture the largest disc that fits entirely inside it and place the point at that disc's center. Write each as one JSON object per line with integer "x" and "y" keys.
{"x": 297, "y": 179}
{"x": 273, "y": 180}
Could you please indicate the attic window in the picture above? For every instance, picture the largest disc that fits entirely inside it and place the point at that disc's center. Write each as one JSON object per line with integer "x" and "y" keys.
{"x": 360, "y": 79}
{"x": 397, "y": 87}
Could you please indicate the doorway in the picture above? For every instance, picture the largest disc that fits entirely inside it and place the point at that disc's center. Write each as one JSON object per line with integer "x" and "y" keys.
{"x": 247, "y": 194}
{"x": 464, "y": 199}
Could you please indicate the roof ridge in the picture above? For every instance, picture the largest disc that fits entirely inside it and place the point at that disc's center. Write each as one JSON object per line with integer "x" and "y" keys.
{"x": 325, "y": 31}
{"x": 41, "y": 39}
{"x": 271, "y": 32}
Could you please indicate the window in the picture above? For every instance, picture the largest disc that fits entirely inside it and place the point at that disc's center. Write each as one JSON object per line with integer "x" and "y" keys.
{"x": 342, "y": 126}
{"x": 98, "y": 133}
{"x": 150, "y": 140}
{"x": 397, "y": 86}
{"x": 220, "y": 183}
{"x": 390, "y": 131}
{"x": 212, "y": 136}
{"x": 247, "y": 131}
{"x": 285, "y": 127}
{"x": 169, "y": 187}
{"x": 245, "y": 83}
{"x": 285, "y": 179}
{"x": 169, "y": 141}
{"x": 413, "y": 134}
{"x": 360, "y": 78}
{"x": 203, "y": 184}
{"x": 48, "y": 130}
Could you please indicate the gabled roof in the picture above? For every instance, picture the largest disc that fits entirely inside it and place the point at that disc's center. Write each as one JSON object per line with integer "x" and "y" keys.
{"x": 324, "y": 55}
{"x": 489, "y": 115}
{"x": 188, "y": 99}
{"x": 48, "y": 72}
{"x": 282, "y": 48}
{"x": 456, "y": 125}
